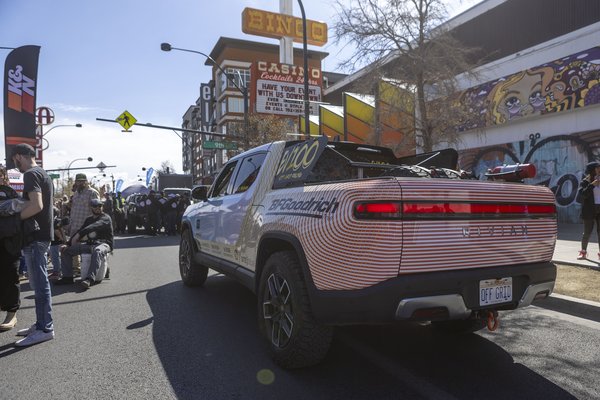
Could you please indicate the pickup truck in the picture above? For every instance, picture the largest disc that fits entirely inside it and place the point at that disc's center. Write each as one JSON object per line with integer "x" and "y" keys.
{"x": 337, "y": 233}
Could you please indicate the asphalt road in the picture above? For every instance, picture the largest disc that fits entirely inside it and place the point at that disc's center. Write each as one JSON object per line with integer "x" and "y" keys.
{"x": 143, "y": 335}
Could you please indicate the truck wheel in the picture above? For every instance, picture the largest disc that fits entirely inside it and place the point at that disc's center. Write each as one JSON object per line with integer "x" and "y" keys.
{"x": 131, "y": 226}
{"x": 458, "y": 326}
{"x": 192, "y": 273}
{"x": 294, "y": 338}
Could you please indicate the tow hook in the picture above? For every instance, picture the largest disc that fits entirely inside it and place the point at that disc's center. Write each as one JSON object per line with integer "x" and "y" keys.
{"x": 493, "y": 320}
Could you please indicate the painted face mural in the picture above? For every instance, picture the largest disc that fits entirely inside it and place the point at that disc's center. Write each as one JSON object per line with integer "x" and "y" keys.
{"x": 564, "y": 84}
{"x": 513, "y": 98}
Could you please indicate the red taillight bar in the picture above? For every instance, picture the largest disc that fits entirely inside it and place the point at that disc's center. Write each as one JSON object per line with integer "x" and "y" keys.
{"x": 378, "y": 210}
{"x": 397, "y": 210}
{"x": 477, "y": 208}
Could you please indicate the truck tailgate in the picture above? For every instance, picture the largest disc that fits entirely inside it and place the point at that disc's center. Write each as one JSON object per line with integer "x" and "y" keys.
{"x": 459, "y": 224}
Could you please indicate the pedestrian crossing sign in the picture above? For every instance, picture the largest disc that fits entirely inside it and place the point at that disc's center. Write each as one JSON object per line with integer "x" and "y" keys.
{"x": 126, "y": 120}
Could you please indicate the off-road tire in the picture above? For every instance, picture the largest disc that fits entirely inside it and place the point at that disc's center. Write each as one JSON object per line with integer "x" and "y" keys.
{"x": 282, "y": 297}
{"x": 458, "y": 327}
{"x": 192, "y": 273}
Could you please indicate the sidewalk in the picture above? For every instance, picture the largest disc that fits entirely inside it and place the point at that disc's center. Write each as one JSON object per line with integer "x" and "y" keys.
{"x": 568, "y": 246}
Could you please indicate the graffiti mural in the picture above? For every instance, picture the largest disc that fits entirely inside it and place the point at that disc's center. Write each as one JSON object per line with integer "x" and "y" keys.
{"x": 559, "y": 161}
{"x": 565, "y": 84}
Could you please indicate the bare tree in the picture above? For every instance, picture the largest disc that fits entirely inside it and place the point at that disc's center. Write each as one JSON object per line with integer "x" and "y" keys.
{"x": 166, "y": 167}
{"x": 405, "y": 40}
{"x": 266, "y": 128}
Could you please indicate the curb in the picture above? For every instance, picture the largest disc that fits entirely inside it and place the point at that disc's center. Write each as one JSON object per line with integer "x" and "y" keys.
{"x": 577, "y": 264}
{"x": 572, "y": 306}
{"x": 575, "y": 300}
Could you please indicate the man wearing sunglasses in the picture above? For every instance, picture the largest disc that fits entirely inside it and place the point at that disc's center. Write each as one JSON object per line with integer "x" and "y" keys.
{"x": 96, "y": 238}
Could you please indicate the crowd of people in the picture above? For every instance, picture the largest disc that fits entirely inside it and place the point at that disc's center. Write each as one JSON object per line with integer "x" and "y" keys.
{"x": 73, "y": 232}
{"x": 37, "y": 225}
{"x": 161, "y": 212}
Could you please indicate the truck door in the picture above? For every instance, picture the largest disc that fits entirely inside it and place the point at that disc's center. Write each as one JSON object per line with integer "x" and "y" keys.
{"x": 208, "y": 224}
{"x": 235, "y": 206}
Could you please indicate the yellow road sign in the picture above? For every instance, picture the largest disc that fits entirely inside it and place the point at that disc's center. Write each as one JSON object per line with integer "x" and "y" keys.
{"x": 126, "y": 120}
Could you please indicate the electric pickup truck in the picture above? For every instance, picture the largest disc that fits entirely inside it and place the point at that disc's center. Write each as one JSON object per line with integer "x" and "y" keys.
{"x": 338, "y": 233}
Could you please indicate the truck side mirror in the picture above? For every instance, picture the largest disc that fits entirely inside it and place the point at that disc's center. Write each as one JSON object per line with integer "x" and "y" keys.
{"x": 200, "y": 193}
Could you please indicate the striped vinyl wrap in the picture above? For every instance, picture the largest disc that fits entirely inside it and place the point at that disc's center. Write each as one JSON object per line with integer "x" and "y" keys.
{"x": 344, "y": 253}
{"x": 446, "y": 245}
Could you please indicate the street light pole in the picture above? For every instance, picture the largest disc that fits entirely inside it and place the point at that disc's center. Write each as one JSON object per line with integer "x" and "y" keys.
{"x": 305, "y": 53}
{"x": 90, "y": 159}
{"x": 54, "y": 127}
{"x": 243, "y": 91}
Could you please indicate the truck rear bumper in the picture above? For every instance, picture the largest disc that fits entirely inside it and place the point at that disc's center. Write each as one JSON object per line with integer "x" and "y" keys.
{"x": 431, "y": 296}
{"x": 455, "y": 306}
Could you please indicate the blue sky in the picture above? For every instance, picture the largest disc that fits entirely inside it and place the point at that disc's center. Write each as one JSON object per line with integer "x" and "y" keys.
{"x": 99, "y": 58}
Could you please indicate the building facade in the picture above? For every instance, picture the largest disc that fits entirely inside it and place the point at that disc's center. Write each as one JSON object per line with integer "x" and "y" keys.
{"x": 537, "y": 95}
{"x": 245, "y": 71}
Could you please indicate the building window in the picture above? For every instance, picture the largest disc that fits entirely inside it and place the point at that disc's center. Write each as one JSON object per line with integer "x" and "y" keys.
{"x": 235, "y": 105}
{"x": 222, "y": 108}
{"x": 241, "y": 77}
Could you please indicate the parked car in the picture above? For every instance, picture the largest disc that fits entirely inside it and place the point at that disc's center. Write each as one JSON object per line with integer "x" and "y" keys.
{"x": 179, "y": 191}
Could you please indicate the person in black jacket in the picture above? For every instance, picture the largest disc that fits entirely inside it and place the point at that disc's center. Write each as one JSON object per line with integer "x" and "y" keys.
{"x": 589, "y": 196}
{"x": 10, "y": 252}
{"x": 96, "y": 238}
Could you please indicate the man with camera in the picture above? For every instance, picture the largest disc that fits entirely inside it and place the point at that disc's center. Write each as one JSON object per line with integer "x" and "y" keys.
{"x": 96, "y": 238}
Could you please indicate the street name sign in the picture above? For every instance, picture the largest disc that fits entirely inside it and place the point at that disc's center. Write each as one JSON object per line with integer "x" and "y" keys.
{"x": 208, "y": 144}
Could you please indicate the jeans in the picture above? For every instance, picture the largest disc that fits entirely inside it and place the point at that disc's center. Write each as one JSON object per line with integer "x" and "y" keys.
{"x": 98, "y": 252}
{"x": 55, "y": 256}
{"x": 35, "y": 257}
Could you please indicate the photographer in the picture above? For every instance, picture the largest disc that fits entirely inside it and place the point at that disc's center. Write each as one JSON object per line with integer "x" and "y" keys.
{"x": 96, "y": 238}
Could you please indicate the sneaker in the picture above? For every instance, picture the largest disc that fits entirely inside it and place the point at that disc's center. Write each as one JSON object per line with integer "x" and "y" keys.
{"x": 583, "y": 255}
{"x": 87, "y": 283}
{"x": 107, "y": 274}
{"x": 9, "y": 322}
{"x": 34, "y": 338}
{"x": 26, "y": 331}
{"x": 65, "y": 280}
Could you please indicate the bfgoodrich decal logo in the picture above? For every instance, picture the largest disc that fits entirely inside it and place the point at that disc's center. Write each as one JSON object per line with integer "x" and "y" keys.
{"x": 21, "y": 91}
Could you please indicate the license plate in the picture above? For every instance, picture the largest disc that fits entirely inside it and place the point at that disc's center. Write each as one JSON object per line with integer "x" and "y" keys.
{"x": 495, "y": 291}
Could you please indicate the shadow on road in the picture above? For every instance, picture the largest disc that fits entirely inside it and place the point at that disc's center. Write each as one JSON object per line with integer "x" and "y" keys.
{"x": 141, "y": 241}
{"x": 580, "y": 310}
{"x": 208, "y": 342}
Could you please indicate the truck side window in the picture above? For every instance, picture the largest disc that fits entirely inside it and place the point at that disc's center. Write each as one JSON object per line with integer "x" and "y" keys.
{"x": 248, "y": 172}
{"x": 223, "y": 180}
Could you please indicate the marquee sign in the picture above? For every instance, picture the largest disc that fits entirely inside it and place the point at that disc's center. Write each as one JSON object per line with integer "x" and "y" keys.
{"x": 279, "y": 88}
{"x": 273, "y": 25}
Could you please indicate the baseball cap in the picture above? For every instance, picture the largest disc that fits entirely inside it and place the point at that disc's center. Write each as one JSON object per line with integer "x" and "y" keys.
{"x": 80, "y": 177}
{"x": 23, "y": 149}
{"x": 95, "y": 202}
